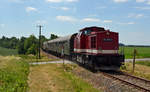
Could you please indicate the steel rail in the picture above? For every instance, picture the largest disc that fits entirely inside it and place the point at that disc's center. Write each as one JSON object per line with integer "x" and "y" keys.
{"x": 126, "y": 82}
{"x": 142, "y": 79}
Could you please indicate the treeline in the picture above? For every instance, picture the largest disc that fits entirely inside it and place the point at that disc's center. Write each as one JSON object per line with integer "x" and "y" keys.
{"x": 24, "y": 45}
{"x": 137, "y": 45}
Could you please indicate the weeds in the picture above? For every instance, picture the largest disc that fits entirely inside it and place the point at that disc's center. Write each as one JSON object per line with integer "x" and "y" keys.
{"x": 32, "y": 58}
{"x": 141, "y": 69}
{"x": 13, "y": 74}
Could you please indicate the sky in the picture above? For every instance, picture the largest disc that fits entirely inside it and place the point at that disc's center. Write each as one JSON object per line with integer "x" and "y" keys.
{"x": 131, "y": 18}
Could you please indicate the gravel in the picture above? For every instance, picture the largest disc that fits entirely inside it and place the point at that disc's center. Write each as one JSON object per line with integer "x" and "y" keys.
{"x": 102, "y": 82}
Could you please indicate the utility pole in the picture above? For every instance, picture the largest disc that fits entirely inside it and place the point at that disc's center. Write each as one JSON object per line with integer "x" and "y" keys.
{"x": 134, "y": 56}
{"x": 40, "y": 27}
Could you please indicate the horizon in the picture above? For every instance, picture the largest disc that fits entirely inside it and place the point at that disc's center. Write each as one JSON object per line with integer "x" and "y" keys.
{"x": 130, "y": 18}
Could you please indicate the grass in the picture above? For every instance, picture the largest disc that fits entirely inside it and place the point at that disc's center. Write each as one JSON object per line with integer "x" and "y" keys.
{"x": 146, "y": 63}
{"x": 53, "y": 78}
{"x": 6, "y": 52}
{"x": 141, "y": 69}
{"x": 142, "y": 52}
{"x": 32, "y": 58}
{"x": 13, "y": 74}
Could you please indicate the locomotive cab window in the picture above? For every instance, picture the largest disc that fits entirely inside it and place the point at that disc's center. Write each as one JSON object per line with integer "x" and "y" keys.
{"x": 87, "y": 32}
{"x": 93, "y": 42}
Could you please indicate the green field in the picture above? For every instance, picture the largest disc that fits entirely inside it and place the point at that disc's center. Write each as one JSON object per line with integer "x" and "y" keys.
{"x": 6, "y": 52}
{"x": 13, "y": 74}
{"x": 146, "y": 63}
{"x": 142, "y": 52}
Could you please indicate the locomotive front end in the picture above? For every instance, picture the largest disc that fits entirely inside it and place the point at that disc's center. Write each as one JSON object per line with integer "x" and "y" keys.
{"x": 107, "y": 46}
{"x": 98, "y": 48}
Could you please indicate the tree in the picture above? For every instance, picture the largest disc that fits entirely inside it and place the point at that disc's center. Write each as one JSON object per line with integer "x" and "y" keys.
{"x": 23, "y": 45}
{"x": 10, "y": 43}
{"x": 20, "y": 46}
{"x": 43, "y": 39}
{"x": 32, "y": 49}
{"x": 53, "y": 36}
{"x": 13, "y": 42}
{"x": 121, "y": 44}
{"x": 30, "y": 43}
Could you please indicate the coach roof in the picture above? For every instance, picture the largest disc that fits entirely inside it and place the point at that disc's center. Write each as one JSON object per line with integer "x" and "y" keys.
{"x": 61, "y": 39}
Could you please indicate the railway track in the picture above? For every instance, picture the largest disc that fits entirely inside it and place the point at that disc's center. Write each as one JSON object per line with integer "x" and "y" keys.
{"x": 139, "y": 83}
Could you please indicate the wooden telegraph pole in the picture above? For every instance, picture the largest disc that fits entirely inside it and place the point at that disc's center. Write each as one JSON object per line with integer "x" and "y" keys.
{"x": 134, "y": 56}
{"x": 39, "y": 53}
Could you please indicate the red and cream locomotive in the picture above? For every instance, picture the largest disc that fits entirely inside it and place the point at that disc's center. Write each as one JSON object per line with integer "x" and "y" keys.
{"x": 92, "y": 46}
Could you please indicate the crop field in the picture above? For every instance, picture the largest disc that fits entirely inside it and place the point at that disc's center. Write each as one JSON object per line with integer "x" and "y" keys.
{"x": 142, "y": 52}
{"x": 13, "y": 74}
{"x": 5, "y": 51}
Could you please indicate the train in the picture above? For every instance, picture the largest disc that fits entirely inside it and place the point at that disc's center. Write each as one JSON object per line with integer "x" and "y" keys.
{"x": 94, "y": 47}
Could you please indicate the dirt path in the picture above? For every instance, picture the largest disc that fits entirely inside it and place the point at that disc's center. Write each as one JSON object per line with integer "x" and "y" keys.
{"x": 54, "y": 78}
{"x": 49, "y": 62}
{"x": 46, "y": 78}
{"x": 142, "y": 59}
{"x": 39, "y": 81}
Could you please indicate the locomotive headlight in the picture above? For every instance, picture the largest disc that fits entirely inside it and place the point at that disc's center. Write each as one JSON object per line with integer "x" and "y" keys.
{"x": 107, "y": 33}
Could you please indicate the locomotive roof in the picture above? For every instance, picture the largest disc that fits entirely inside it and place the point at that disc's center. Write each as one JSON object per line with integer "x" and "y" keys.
{"x": 94, "y": 27}
{"x": 61, "y": 39}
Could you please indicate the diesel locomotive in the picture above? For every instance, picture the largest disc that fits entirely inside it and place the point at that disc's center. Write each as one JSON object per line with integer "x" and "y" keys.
{"x": 94, "y": 47}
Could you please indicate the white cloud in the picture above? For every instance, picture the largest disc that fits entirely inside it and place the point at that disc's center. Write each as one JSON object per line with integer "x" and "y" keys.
{"x": 93, "y": 15}
{"x": 2, "y": 25}
{"x": 59, "y": 1}
{"x": 132, "y": 15}
{"x": 107, "y": 21}
{"x": 140, "y": 1}
{"x": 64, "y": 8}
{"x": 143, "y": 8}
{"x": 18, "y": 1}
{"x": 120, "y": 1}
{"x": 54, "y": 1}
{"x": 29, "y": 9}
{"x": 72, "y": 0}
{"x": 101, "y": 7}
{"x": 148, "y": 2}
{"x": 61, "y": 8}
{"x": 90, "y": 20}
{"x": 128, "y": 23}
{"x": 40, "y": 22}
{"x": 66, "y": 18}
{"x": 139, "y": 15}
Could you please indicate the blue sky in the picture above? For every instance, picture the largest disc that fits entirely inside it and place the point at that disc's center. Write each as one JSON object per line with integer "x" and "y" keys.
{"x": 131, "y": 18}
